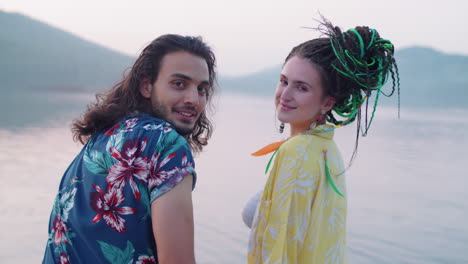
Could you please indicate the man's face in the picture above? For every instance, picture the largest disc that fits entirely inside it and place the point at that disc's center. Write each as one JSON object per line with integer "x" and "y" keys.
{"x": 179, "y": 94}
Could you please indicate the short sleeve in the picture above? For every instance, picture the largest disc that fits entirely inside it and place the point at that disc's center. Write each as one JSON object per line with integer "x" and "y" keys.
{"x": 171, "y": 161}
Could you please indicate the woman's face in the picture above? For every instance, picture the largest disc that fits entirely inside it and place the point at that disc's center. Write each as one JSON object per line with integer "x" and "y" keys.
{"x": 299, "y": 95}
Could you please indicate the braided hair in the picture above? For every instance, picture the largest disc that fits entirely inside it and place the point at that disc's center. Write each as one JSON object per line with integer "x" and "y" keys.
{"x": 352, "y": 65}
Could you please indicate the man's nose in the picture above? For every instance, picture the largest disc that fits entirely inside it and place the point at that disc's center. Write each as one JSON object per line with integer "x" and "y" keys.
{"x": 191, "y": 96}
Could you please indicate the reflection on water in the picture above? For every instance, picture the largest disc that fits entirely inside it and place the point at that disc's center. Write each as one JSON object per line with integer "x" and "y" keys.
{"x": 407, "y": 190}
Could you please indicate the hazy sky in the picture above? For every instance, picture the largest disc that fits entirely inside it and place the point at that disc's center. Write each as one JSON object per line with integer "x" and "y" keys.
{"x": 249, "y": 35}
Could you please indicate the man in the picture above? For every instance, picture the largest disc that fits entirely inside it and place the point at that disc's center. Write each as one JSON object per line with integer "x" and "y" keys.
{"x": 126, "y": 198}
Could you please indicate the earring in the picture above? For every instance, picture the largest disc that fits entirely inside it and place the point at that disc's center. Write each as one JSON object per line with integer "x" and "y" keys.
{"x": 320, "y": 117}
{"x": 281, "y": 128}
{"x": 313, "y": 125}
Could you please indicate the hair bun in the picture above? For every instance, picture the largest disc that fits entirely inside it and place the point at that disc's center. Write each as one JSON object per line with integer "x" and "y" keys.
{"x": 362, "y": 55}
{"x": 362, "y": 63}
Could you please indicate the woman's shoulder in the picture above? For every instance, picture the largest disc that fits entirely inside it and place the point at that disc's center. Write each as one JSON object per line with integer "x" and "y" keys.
{"x": 303, "y": 140}
{"x": 306, "y": 143}
{"x": 323, "y": 135}
{"x": 298, "y": 145}
{"x": 294, "y": 142}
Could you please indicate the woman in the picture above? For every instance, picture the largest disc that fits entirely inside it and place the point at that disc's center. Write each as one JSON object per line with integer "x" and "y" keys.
{"x": 301, "y": 214}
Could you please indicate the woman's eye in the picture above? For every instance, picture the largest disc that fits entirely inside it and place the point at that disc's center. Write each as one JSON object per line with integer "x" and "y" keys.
{"x": 302, "y": 88}
{"x": 283, "y": 82}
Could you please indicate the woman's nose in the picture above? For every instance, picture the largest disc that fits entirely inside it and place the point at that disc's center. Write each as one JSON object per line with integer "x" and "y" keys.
{"x": 286, "y": 94}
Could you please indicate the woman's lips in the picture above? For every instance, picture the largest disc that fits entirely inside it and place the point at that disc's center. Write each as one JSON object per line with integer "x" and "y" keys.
{"x": 285, "y": 107}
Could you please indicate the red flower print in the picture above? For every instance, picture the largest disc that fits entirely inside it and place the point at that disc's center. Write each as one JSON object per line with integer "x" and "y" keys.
{"x": 112, "y": 130}
{"x": 158, "y": 176}
{"x": 167, "y": 128}
{"x": 146, "y": 260}
{"x": 130, "y": 123}
{"x": 122, "y": 127}
{"x": 64, "y": 258}
{"x": 59, "y": 229}
{"x": 106, "y": 206}
{"x": 185, "y": 162}
{"x": 129, "y": 165}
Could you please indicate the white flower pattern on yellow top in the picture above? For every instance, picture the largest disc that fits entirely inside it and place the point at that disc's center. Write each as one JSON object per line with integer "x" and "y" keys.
{"x": 300, "y": 218}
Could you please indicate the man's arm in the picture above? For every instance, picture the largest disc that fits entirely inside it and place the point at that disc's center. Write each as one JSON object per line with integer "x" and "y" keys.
{"x": 172, "y": 217}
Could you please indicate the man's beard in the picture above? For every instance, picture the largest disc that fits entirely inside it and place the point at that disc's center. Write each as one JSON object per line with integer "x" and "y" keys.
{"x": 161, "y": 112}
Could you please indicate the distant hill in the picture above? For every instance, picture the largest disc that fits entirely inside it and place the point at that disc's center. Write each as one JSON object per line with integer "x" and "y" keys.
{"x": 43, "y": 69}
{"x": 429, "y": 78}
{"x": 35, "y": 55}
{"x": 433, "y": 78}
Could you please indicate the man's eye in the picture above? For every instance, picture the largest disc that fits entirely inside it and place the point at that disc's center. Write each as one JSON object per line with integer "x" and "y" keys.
{"x": 179, "y": 84}
{"x": 202, "y": 90}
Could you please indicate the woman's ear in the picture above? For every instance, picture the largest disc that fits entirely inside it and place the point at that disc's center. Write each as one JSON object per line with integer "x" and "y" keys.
{"x": 329, "y": 103}
{"x": 145, "y": 88}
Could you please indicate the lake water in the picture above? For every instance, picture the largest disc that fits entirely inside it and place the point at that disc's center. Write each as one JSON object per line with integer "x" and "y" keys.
{"x": 407, "y": 189}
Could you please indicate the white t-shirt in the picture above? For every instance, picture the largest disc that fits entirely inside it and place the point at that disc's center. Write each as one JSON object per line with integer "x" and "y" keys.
{"x": 248, "y": 213}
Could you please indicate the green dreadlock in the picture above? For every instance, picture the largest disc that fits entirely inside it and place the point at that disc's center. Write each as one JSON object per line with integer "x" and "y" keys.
{"x": 366, "y": 59}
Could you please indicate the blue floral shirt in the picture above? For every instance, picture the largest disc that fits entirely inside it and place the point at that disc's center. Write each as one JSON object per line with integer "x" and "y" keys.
{"x": 102, "y": 212}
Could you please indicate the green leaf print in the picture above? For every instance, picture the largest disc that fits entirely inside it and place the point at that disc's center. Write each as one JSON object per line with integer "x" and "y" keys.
{"x": 67, "y": 202}
{"x": 128, "y": 253}
{"x": 150, "y": 252}
{"x": 115, "y": 141}
{"x": 172, "y": 141}
{"x": 97, "y": 162}
{"x": 115, "y": 255}
{"x": 145, "y": 199}
{"x": 55, "y": 207}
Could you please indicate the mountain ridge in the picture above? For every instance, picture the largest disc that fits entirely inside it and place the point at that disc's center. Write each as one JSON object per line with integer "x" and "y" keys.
{"x": 38, "y": 58}
{"x": 37, "y": 55}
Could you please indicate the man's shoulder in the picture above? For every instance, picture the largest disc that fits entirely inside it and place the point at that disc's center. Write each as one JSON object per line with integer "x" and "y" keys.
{"x": 139, "y": 124}
{"x": 140, "y": 134}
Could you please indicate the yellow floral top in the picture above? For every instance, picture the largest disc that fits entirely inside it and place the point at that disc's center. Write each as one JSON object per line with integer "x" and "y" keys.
{"x": 300, "y": 218}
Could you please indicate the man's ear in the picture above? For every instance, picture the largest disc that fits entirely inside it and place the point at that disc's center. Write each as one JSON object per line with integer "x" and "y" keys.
{"x": 329, "y": 103}
{"x": 145, "y": 88}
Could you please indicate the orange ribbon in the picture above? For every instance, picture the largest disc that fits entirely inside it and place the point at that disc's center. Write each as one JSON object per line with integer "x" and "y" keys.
{"x": 268, "y": 148}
